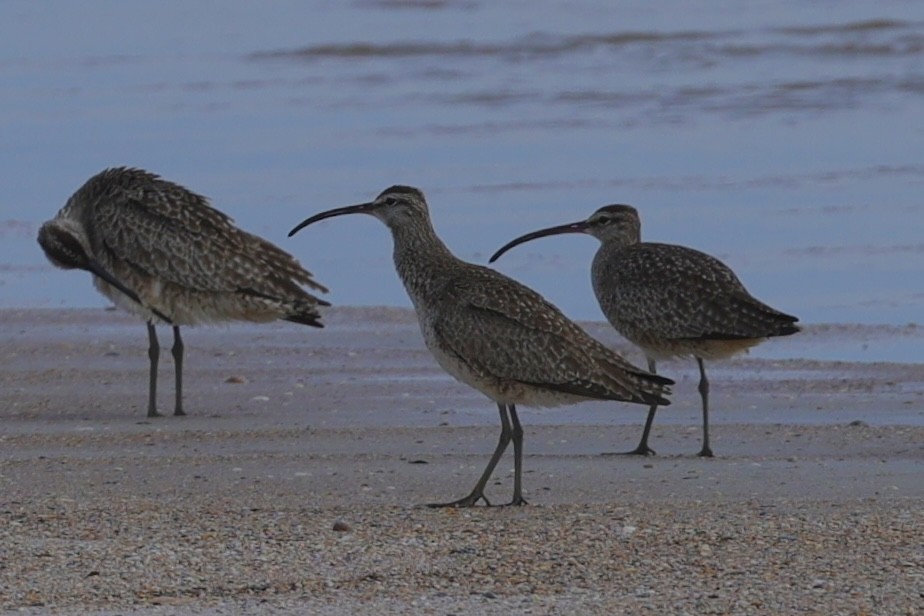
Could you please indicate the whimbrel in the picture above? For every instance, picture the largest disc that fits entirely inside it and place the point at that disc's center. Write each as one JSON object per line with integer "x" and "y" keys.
{"x": 669, "y": 300}
{"x": 496, "y": 335}
{"x": 163, "y": 253}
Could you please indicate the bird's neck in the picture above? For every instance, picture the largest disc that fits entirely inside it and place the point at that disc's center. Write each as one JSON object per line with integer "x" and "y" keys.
{"x": 617, "y": 243}
{"x": 609, "y": 253}
{"x": 419, "y": 255}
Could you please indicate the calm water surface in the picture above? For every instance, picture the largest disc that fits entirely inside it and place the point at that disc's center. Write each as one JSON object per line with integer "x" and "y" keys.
{"x": 786, "y": 138}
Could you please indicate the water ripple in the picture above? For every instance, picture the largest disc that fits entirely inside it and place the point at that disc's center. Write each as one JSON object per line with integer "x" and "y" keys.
{"x": 850, "y": 27}
{"x": 535, "y": 44}
{"x": 865, "y": 38}
{"x": 865, "y": 250}
{"x": 719, "y": 183}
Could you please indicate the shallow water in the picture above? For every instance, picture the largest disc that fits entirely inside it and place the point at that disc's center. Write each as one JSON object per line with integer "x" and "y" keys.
{"x": 784, "y": 138}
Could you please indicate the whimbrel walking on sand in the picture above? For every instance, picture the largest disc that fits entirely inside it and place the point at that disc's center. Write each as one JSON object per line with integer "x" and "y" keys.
{"x": 496, "y": 335}
{"x": 671, "y": 301}
{"x": 163, "y": 253}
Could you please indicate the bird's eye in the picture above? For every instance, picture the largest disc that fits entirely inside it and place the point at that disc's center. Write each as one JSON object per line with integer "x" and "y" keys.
{"x": 604, "y": 220}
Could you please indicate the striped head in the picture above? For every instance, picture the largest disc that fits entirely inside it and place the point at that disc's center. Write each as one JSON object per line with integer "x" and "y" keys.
{"x": 615, "y": 223}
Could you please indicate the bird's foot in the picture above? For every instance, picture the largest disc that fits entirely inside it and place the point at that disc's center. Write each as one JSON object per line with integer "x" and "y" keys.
{"x": 154, "y": 413}
{"x": 641, "y": 450}
{"x": 469, "y": 501}
{"x": 179, "y": 412}
{"x": 706, "y": 452}
{"x": 518, "y": 501}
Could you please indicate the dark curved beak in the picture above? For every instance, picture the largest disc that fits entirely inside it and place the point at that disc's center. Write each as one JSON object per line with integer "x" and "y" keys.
{"x": 574, "y": 227}
{"x": 362, "y": 208}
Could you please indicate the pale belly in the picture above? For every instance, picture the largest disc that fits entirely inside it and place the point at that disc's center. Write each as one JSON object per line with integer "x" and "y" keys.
{"x": 704, "y": 349}
{"x": 189, "y": 307}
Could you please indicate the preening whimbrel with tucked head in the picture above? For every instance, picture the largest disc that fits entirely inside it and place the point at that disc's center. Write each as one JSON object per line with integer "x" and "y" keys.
{"x": 669, "y": 300}
{"x": 163, "y": 253}
{"x": 496, "y": 335}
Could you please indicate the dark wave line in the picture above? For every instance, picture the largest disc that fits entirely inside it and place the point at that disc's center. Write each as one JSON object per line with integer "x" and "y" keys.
{"x": 867, "y": 25}
{"x": 530, "y": 45}
{"x": 895, "y": 38}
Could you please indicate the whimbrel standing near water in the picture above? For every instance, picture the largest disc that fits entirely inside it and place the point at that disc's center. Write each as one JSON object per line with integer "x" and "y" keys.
{"x": 162, "y": 252}
{"x": 496, "y": 335}
{"x": 669, "y": 300}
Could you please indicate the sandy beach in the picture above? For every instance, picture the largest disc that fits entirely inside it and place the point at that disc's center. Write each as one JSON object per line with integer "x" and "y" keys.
{"x": 813, "y": 504}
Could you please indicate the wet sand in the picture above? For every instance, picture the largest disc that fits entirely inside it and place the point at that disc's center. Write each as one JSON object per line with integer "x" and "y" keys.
{"x": 814, "y": 503}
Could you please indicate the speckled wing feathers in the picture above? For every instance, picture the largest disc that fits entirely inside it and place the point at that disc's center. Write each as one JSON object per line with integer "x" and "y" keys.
{"x": 166, "y": 231}
{"x": 503, "y": 329}
{"x": 679, "y": 293}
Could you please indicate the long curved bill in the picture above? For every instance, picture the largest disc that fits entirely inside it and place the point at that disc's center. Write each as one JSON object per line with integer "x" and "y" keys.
{"x": 574, "y": 227}
{"x": 362, "y": 208}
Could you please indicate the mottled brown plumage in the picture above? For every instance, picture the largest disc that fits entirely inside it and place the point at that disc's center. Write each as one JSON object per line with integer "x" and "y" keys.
{"x": 671, "y": 301}
{"x": 163, "y": 253}
{"x": 496, "y": 335}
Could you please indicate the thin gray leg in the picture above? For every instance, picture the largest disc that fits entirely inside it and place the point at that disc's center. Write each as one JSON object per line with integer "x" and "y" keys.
{"x": 517, "y": 457}
{"x": 643, "y": 449}
{"x": 153, "y": 355}
{"x": 178, "y": 364}
{"x": 477, "y": 493}
{"x": 706, "y": 451}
